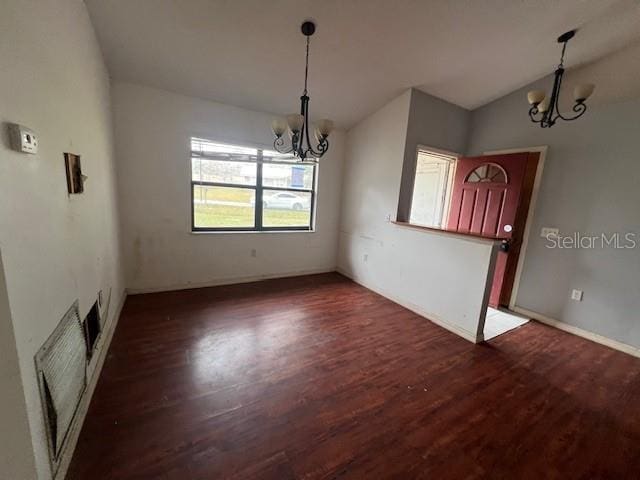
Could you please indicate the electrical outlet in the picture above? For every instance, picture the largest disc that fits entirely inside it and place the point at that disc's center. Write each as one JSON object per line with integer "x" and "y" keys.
{"x": 576, "y": 295}
{"x": 365, "y": 257}
{"x": 547, "y": 232}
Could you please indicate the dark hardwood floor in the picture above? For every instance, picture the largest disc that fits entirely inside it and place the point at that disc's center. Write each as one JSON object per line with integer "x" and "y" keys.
{"x": 318, "y": 378}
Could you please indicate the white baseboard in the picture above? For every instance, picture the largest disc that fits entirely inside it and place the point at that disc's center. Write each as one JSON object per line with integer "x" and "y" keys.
{"x": 472, "y": 337}
{"x": 227, "y": 281}
{"x": 594, "y": 337}
{"x": 101, "y": 350}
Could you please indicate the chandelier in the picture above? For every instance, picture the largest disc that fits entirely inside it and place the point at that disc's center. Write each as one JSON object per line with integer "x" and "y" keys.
{"x": 545, "y": 111}
{"x": 297, "y": 124}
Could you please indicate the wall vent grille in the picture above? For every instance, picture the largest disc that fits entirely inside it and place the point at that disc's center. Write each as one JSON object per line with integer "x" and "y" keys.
{"x": 61, "y": 370}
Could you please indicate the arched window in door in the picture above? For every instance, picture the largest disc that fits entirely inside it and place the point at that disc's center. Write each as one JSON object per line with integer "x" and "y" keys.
{"x": 487, "y": 173}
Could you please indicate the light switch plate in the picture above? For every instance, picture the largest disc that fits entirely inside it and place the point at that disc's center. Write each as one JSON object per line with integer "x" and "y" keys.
{"x": 547, "y": 232}
{"x": 576, "y": 295}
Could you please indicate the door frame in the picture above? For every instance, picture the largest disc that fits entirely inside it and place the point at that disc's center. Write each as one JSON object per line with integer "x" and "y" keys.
{"x": 454, "y": 164}
{"x": 542, "y": 150}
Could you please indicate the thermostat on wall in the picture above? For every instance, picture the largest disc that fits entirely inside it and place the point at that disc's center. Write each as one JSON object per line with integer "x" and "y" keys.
{"x": 23, "y": 139}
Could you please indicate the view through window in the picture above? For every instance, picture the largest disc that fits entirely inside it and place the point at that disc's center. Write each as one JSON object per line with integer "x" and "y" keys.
{"x": 239, "y": 188}
{"x": 431, "y": 189}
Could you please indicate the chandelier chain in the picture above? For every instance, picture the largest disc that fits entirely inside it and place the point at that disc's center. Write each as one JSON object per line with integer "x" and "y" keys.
{"x": 306, "y": 68}
{"x": 564, "y": 47}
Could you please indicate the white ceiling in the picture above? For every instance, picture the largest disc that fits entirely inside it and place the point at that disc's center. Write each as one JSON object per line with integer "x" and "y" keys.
{"x": 250, "y": 53}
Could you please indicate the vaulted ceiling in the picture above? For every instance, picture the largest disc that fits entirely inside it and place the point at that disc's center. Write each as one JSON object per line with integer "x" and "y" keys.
{"x": 250, "y": 53}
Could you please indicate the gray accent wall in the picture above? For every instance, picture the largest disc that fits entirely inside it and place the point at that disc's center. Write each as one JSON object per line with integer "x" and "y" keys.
{"x": 434, "y": 123}
{"x": 590, "y": 185}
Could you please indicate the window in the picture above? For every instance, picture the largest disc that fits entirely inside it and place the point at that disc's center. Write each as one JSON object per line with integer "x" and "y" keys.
{"x": 237, "y": 188}
{"x": 487, "y": 173}
{"x": 431, "y": 188}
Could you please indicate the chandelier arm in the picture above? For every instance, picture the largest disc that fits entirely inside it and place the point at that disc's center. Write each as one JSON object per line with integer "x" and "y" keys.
{"x": 323, "y": 146}
{"x": 295, "y": 143}
{"x": 579, "y": 108}
{"x": 557, "y": 97}
{"x": 533, "y": 111}
{"x": 543, "y": 121}
{"x": 310, "y": 148}
{"x": 310, "y": 152}
{"x": 279, "y": 147}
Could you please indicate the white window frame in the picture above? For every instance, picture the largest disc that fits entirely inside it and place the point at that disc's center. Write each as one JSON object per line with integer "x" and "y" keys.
{"x": 452, "y": 157}
{"x": 259, "y": 189}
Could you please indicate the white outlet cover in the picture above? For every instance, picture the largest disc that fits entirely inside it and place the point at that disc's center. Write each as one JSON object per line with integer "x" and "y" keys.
{"x": 576, "y": 295}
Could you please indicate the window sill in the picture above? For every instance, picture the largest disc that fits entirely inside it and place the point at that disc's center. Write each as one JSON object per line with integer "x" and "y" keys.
{"x": 243, "y": 232}
{"x": 438, "y": 231}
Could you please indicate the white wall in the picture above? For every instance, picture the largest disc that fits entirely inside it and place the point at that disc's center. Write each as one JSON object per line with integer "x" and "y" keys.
{"x": 55, "y": 248}
{"x": 153, "y": 128}
{"x": 589, "y": 185}
{"x": 439, "y": 275}
{"x": 16, "y": 454}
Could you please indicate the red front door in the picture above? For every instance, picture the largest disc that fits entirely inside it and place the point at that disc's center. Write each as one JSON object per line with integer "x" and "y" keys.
{"x": 487, "y": 192}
